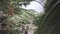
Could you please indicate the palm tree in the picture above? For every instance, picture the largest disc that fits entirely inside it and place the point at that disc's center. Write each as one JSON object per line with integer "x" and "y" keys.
{"x": 10, "y": 11}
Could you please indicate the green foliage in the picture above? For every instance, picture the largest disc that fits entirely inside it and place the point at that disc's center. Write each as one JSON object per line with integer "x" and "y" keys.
{"x": 20, "y": 15}
{"x": 25, "y": 14}
{"x": 38, "y": 19}
{"x": 4, "y": 4}
{"x": 16, "y": 32}
{"x": 37, "y": 22}
{"x": 51, "y": 21}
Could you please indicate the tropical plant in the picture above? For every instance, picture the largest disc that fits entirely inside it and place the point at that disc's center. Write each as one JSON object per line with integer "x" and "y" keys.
{"x": 11, "y": 14}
